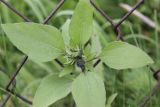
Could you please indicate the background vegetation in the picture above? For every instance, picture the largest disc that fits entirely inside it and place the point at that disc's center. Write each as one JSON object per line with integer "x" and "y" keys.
{"x": 130, "y": 85}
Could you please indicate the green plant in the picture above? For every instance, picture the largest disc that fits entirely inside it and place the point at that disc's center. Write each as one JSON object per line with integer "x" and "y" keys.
{"x": 43, "y": 43}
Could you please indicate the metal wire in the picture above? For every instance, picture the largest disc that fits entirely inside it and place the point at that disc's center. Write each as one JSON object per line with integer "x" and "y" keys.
{"x": 116, "y": 30}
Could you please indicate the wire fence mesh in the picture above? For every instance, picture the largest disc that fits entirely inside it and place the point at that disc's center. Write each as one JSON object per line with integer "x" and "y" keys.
{"x": 116, "y": 29}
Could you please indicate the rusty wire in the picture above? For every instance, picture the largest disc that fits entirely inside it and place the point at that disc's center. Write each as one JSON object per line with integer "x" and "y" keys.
{"x": 116, "y": 30}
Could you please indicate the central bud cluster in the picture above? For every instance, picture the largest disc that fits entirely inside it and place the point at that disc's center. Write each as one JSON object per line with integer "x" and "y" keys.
{"x": 75, "y": 56}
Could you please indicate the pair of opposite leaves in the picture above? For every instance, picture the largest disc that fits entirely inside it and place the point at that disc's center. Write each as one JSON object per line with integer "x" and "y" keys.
{"x": 44, "y": 43}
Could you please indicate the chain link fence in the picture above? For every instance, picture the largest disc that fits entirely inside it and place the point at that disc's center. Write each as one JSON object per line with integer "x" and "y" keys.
{"x": 116, "y": 29}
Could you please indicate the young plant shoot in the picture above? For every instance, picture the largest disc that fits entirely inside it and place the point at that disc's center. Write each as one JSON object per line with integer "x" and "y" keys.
{"x": 43, "y": 43}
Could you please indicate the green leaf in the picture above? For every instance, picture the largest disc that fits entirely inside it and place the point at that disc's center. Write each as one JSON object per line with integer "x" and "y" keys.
{"x": 99, "y": 31}
{"x": 67, "y": 70}
{"x": 40, "y": 42}
{"x": 88, "y": 90}
{"x": 52, "y": 89}
{"x": 81, "y": 27}
{"x": 121, "y": 55}
{"x": 65, "y": 32}
{"x": 96, "y": 47}
{"x": 111, "y": 99}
